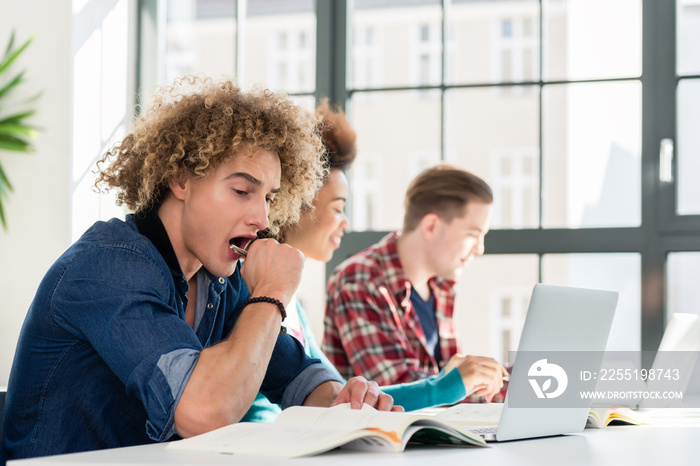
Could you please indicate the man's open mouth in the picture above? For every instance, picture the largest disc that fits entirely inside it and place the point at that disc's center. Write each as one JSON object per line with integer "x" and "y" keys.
{"x": 241, "y": 242}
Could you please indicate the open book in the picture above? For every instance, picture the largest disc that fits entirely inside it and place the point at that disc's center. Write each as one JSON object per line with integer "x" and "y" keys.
{"x": 602, "y": 417}
{"x": 301, "y": 431}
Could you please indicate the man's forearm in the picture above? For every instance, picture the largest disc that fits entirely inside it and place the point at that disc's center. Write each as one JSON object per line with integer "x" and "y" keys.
{"x": 227, "y": 376}
{"x": 324, "y": 395}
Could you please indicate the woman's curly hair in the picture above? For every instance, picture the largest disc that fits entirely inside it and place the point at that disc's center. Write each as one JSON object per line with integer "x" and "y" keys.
{"x": 338, "y": 136}
{"x": 339, "y": 139}
{"x": 195, "y": 125}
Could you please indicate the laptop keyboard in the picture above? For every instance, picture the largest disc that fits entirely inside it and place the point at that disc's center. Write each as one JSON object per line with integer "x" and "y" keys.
{"x": 483, "y": 430}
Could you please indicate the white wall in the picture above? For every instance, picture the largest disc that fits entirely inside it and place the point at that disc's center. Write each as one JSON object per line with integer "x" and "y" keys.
{"x": 37, "y": 213}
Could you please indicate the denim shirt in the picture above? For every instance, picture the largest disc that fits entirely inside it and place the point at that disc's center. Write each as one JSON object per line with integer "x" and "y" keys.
{"x": 105, "y": 353}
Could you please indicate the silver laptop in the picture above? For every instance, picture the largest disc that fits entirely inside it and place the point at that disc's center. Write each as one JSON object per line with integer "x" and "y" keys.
{"x": 559, "y": 320}
{"x": 678, "y": 349}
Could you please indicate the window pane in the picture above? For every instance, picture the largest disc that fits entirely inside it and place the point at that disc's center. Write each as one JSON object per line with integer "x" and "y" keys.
{"x": 395, "y": 45}
{"x": 688, "y": 146}
{"x": 592, "y": 155}
{"x": 492, "y": 298}
{"x": 586, "y": 39}
{"x": 688, "y": 36}
{"x": 494, "y": 132}
{"x": 617, "y": 272}
{"x": 493, "y": 41}
{"x": 280, "y": 45}
{"x": 200, "y": 37}
{"x": 682, "y": 272}
{"x": 683, "y": 296}
{"x": 398, "y": 136}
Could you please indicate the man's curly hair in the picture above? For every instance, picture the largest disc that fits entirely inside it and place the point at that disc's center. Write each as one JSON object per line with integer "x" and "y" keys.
{"x": 195, "y": 125}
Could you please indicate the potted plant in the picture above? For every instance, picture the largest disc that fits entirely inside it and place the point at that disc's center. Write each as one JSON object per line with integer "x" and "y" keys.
{"x": 15, "y": 133}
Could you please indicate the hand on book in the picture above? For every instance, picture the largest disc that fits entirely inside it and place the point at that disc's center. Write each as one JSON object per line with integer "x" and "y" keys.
{"x": 481, "y": 375}
{"x": 358, "y": 391}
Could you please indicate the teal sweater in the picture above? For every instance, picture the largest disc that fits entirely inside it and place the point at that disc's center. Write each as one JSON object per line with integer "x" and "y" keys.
{"x": 436, "y": 390}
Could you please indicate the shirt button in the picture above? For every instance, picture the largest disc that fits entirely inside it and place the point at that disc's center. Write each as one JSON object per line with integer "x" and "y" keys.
{"x": 222, "y": 280}
{"x": 210, "y": 305}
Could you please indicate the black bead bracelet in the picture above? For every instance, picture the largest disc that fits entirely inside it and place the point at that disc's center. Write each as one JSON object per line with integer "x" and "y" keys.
{"x": 267, "y": 299}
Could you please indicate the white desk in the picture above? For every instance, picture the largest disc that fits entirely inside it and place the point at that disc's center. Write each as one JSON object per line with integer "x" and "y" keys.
{"x": 672, "y": 440}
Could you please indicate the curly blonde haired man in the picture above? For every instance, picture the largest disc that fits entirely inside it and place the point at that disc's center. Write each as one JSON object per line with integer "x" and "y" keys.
{"x": 150, "y": 329}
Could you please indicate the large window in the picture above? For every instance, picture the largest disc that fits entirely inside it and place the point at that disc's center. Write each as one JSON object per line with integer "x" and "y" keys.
{"x": 257, "y": 42}
{"x": 581, "y": 114}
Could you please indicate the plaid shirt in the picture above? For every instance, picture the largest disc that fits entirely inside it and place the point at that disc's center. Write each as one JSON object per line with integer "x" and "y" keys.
{"x": 370, "y": 326}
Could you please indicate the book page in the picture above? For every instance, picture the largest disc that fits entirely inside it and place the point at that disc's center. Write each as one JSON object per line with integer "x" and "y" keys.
{"x": 596, "y": 416}
{"x": 473, "y": 414}
{"x": 601, "y": 417}
{"x": 283, "y": 440}
{"x": 342, "y": 415}
{"x": 627, "y": 416}
{"x": 396, "y": 425}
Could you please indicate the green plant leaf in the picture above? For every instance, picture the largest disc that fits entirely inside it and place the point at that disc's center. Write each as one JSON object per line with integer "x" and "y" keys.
{"x": 10, "y": 44}
{"x": 17, "y": 118}
{"x": 13, "y": 55}
{"x": 13, "y": 129}
{"x": 14, "y": 82}
{"x": 5, "y": 185}
{"x": 2, "y": 216}
{"x": 5, "y": 191}
{"x": 14, "y": 144}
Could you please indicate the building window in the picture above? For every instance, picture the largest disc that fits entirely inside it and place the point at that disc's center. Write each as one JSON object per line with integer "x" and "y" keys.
{"x": 427, "y": 55}
{"x": 515, "y": 183}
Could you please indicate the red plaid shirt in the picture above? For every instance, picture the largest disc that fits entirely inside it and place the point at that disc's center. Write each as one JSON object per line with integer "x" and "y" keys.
{"x": 370, "y": 326}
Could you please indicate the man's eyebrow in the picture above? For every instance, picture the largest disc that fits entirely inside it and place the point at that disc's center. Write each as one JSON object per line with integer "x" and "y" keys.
{"x": 247, "y": 176}
{"x": 250, "y": 178}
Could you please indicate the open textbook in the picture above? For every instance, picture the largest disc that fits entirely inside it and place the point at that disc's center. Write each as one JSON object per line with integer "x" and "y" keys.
{"x": 302, "y": 431}
{"x": 488, "y": 414}
{"x": 602, "y": 417}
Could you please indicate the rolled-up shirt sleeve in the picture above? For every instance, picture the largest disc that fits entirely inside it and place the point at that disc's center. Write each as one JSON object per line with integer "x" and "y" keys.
{"x": 176, "y": 367}
{"x": 292, "y": 375}
{"x": 305, "y": 383}
{"x": 142, "y": 339}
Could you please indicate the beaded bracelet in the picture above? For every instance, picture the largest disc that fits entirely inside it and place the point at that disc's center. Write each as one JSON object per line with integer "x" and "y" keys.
{"x": 267, "y": 299}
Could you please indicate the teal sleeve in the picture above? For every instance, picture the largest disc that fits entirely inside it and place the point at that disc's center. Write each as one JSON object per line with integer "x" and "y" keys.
{"x": 263, "y": 410}
{"x": 436, "y": 390}
{"x": 313, "y": 349}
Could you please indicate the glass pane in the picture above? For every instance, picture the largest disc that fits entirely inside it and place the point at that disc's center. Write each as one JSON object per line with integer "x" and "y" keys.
{"x": 683, "y": 296}
{"x": 682, "y": 272}
{"x": 200, "y": 37}
{"x": 101, "y": 113}
{"x": 688, "y": 36}
{"x": 688, "y": 146}
{"x": 280, "y": 45}
{"x": 592, "y": 155}
{"x": 394, "y": 44}
{"x": 586, "y": 39}
{"x": 494, "y": 132}
{"x": 398, "y": 136}
{"x": 619, "y": 272}
{"x": 493, "y": 41}
{"x": 492, "y": 298}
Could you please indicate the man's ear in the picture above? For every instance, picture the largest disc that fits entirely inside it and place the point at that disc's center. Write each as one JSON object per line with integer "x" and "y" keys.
{"x": 428, "y": 224}
{"x": 179, "y": 188}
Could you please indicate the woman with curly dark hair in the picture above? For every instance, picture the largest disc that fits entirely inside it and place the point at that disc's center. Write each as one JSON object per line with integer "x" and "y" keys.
{"x": 150, "y": 329}
{"x": 318, "y": 234}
